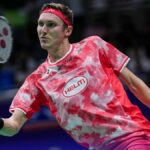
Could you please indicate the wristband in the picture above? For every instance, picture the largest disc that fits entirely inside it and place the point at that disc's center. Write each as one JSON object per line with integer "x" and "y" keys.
{"x": 1, "y": 123}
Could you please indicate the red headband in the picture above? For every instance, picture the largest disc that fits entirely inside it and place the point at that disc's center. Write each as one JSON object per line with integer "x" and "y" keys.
{"x": 59, "y": 14}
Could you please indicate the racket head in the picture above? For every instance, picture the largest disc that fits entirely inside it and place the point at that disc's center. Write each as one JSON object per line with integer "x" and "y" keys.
{"x": 6, "y": 40}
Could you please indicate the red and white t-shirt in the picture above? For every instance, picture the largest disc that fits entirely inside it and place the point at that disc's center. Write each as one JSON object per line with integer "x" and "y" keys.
{"x": 83, "y": 92}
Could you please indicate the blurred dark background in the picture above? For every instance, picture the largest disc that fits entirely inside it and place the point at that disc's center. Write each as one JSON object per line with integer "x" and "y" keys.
{"x": 125, "y": 24}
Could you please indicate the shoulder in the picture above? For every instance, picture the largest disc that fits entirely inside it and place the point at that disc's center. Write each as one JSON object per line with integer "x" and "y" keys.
{"x": 91, "y": 39}
{"x": 95, "y": 40}
{"x": 38, "y": 72}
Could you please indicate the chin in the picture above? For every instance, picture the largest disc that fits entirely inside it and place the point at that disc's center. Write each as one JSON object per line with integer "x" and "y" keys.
{"x": 44, "y": 46}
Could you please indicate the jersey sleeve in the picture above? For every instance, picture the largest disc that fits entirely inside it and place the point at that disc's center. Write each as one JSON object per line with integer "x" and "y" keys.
{"x": 112, "y": 56}
{"x": 27, "y": 98}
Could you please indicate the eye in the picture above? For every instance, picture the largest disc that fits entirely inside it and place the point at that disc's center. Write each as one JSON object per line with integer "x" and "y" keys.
{"x": 51, "y": 24}
{"x": 40, "y": 23}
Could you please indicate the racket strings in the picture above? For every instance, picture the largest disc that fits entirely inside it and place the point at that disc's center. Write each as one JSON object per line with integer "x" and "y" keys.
{"x": 5, "y": 40}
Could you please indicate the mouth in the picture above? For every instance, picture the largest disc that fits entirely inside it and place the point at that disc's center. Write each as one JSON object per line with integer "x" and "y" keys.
{"x": 44, "y": 39}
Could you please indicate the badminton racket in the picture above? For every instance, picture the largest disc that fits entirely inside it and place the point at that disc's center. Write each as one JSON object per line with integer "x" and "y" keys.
{"x": 6, "y": 40}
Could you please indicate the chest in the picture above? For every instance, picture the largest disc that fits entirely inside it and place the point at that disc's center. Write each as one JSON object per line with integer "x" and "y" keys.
{"x": 78, "y": 75}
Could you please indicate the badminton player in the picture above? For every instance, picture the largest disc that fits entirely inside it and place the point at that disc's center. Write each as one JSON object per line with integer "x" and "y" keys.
{"x": 81, "y": 84}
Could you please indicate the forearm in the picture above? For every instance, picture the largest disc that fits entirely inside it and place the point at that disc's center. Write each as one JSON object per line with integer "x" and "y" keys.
{"x": 9, "y": 128}
{"x": 137, "y": 86}
{"x": 141, "y": 91}
{"x": 13, "y": 124}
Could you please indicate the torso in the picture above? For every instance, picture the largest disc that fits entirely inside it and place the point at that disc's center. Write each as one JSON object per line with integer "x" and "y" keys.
{"x": 86, "y": 97}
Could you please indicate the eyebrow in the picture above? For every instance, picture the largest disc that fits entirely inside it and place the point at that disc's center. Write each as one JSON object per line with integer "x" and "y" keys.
{"x": 47, "y": 21}
{"x": 44, "y": 20}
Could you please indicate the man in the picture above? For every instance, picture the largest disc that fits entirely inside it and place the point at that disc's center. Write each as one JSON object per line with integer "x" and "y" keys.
{"x": 79, "y": 84}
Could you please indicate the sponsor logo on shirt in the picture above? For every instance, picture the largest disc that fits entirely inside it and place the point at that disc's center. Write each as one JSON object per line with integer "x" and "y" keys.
{"x": 51, "y": 69}
{"x": 75, "y": 86}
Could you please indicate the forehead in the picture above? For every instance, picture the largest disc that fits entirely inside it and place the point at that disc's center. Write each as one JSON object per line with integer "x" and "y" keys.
{"x": 49, "y": 17}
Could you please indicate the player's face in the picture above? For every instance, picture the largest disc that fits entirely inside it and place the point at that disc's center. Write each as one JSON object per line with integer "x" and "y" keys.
{"x": 50, "y": 30}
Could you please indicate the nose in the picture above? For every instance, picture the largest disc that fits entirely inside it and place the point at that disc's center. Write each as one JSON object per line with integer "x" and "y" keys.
{"x": 44, "y": 29}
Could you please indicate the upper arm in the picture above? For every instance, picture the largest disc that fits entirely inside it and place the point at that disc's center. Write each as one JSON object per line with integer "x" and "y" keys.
{"x": 128, "y": 77}
{"x": 131, "y": 80}
{"x": 28, "y": 98}
{"x": 136, "y": 85}
{"x": 111, "y": 56}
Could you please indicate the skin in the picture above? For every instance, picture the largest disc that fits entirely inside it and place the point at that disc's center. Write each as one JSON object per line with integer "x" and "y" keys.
{"x": 136, "y": 86}
{"x": 54, "y": 38}
{"x": 53, "y": 35}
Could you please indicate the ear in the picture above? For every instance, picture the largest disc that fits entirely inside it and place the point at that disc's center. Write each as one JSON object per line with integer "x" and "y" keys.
{"x": 68, "y": 31}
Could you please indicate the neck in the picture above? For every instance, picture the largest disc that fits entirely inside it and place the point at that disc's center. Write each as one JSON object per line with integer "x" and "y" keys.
{"x": 59, "y": 51}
